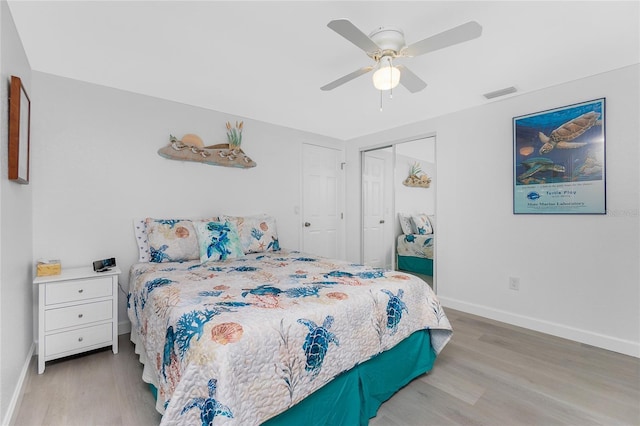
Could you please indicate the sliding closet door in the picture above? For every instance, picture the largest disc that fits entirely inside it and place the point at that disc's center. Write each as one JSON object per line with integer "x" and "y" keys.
{"x": 377, "y": 188}
{"x": 416, "y": 199}
{"x": 373, "y": 223}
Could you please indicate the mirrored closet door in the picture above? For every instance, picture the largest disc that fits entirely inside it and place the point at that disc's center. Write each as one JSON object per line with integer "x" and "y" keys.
{"x": 415, "y": 208}
{"x": 398, "y": 207}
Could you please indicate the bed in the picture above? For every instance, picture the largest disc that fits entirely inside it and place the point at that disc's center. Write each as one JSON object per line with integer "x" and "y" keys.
{"x": 414, "y": 247}
{"x": 279, "y": 337}
{"x": 415, "y": 253}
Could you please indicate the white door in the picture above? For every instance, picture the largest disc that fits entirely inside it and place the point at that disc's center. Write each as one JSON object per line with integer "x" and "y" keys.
{"x": 321, "y": 201}
{"x": 373, "y": 203}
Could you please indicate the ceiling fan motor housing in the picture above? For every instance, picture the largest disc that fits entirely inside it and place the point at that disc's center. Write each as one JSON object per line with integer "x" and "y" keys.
{"x": 388, "y": 39}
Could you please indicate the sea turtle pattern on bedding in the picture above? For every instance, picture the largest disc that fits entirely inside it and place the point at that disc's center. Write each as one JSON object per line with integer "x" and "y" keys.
{"x": 237, "y": 342}
{"x": 395, "y": 306}
{"x": 316, "y": 343}
{"x": 209, "y": 407}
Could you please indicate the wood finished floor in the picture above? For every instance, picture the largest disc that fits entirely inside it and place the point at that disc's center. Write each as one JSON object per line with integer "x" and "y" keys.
{"x": 490, "y": 374}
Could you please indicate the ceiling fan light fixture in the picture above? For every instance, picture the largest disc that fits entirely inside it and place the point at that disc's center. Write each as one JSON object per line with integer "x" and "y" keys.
{"x": 386, "y": 77}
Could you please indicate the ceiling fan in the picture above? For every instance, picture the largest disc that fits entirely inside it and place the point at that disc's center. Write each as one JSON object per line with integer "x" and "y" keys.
{"x": 385, "y": 44}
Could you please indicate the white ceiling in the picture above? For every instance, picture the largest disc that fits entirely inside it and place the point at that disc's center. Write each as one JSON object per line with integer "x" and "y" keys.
{"x": 266, "y": 60}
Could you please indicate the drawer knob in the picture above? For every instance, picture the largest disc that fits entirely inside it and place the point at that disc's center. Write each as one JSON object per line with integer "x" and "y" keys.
{"x": 80, "y": 315}
{"x": 80, "y": 291}
{"x": 80, "y": 339}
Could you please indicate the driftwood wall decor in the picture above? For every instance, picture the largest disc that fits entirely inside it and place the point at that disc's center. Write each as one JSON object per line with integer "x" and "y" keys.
{"x": 192, "y": 148}
{"x": 417, "y": 178}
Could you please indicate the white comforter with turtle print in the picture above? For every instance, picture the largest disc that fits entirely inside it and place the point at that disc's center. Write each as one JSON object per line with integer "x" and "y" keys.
{"x": 243, "y": 340}
{"x": 415, "y": 245}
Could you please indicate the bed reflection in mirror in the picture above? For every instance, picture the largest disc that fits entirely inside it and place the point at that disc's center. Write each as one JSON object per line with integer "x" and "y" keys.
{"x": 399, "y": 207}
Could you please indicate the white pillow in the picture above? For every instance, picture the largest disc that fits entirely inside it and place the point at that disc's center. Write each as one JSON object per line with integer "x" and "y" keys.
{"x": 406, "y": 224}
{"x": 422, "y": 224}
{"x": 140, "y": 229}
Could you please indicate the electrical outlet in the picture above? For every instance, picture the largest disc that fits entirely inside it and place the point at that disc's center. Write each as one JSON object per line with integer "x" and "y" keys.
{"x": 514, "y": 283}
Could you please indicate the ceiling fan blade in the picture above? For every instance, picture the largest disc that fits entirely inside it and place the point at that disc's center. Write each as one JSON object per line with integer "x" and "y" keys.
{"x": 408, "y": 79}
{"x": 455, "y": 35}
{"x": 346, "y": 29}
{"x": 344, "y": 79}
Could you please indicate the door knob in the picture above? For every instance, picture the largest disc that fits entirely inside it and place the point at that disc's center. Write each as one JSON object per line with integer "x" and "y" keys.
{"x": 382, "y": 221}
{"x": 307, "y": 224}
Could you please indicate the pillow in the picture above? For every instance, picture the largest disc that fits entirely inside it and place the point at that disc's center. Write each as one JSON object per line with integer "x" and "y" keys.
{"x": 257, "y": 233}
{"x": 218, "y": 241}
{"x": 422, "y": 224}
{"x": 432, "y": 221}
{"x": 172, "y": 240}
{"x": 140, "y": 229}
{"x": 406, "y": 224}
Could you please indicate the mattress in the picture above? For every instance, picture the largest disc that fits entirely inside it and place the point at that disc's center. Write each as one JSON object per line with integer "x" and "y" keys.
{"x": 242, "y": 341}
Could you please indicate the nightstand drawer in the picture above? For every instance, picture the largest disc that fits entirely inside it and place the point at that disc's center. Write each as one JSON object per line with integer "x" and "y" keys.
{"x": 78, "y": 339}
{"x": 78, "y": 315}
{"x": 71, "y": 291}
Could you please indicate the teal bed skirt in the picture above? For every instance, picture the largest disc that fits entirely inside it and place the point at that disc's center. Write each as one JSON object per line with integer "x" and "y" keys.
{"x": 420, "y": 265}
{"x": 354, "y": 396}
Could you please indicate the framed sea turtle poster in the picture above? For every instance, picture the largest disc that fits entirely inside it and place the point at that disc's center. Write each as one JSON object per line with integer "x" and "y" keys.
{"x": 559, "y": 160}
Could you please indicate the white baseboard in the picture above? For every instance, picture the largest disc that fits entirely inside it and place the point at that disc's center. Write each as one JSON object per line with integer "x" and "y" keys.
{"x": 614, "y": 344}
{"x": 17, "y": 392}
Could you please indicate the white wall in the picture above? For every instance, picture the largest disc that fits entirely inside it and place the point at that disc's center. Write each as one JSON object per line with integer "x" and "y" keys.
{"x": 579, "y": 274}
{"x": 96, "y": 168}
{"x": 16, "y": 323}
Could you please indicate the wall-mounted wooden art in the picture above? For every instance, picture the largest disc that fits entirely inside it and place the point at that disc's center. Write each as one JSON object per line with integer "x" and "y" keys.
{"x": 19, "y": 132}
{"x": 191, "y": 148}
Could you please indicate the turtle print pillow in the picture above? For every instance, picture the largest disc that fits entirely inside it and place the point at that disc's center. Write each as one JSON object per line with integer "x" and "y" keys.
{"x": 257, "y": 233}
{"x": 422, "y": 224}
{"x": 172, "y": 240}
{"x": 218, "y": 241}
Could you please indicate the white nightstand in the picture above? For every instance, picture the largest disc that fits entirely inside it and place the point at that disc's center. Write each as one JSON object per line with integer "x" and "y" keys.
{"x": 78, "y": 312}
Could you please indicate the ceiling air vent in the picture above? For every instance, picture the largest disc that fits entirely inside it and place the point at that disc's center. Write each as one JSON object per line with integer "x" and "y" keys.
{"x": 500, "y": 92}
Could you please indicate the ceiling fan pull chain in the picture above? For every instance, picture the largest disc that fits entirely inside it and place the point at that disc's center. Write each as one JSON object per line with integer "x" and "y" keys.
{"x": 381, "y": 101}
